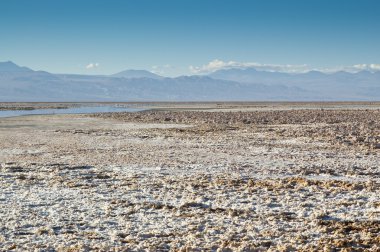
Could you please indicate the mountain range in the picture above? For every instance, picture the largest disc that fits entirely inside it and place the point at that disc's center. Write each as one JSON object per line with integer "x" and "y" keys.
{"x": 24, "y": 84}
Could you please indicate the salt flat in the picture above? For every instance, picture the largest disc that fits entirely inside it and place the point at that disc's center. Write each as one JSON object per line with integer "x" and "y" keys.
{"x": 180, "y": 178}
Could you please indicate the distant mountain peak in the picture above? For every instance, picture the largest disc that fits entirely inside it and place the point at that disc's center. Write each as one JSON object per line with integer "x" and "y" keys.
{"x": 132, "y": 73}
{"x": 314, "y": 72}
{"x": 9, "y": 66}
{"x": 23, "y": 84}
{"x": 245, "y": 75}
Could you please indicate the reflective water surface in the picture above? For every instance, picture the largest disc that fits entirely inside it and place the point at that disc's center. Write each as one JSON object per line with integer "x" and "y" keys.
{"x": 74, "y": 110}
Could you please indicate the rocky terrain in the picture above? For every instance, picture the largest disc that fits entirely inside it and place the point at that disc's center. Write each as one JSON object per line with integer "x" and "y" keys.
{"x": 190, "y": 180}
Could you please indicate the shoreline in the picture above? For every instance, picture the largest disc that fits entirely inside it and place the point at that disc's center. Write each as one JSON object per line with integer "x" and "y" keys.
{"x": 209, "y": 106}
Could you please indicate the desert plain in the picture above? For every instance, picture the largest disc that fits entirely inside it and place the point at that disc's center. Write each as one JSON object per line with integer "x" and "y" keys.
{"x": 192, "y": 177}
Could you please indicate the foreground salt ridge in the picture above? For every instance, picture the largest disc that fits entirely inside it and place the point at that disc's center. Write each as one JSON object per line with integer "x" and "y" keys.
{"x": 105, "y": 184}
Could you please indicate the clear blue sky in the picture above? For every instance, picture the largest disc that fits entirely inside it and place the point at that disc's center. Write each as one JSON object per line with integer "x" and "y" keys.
{"x": 65, "y": 36}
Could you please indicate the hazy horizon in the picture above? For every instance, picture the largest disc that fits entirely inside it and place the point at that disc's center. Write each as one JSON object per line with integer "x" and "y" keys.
{"x": 173, "y": 38}
{"x": 227, "y": 66}
{"x": 208, "y": 50}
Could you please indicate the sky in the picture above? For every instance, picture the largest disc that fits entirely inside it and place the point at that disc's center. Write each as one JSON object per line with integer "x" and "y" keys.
{"x": 183, "y": 37}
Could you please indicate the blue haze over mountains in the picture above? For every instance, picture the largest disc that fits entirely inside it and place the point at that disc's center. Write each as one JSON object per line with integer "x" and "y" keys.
{"x": 23, "y": 84}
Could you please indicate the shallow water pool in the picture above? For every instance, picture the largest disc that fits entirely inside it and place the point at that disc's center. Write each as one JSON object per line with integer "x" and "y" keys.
{"x": 73, "y": 110}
